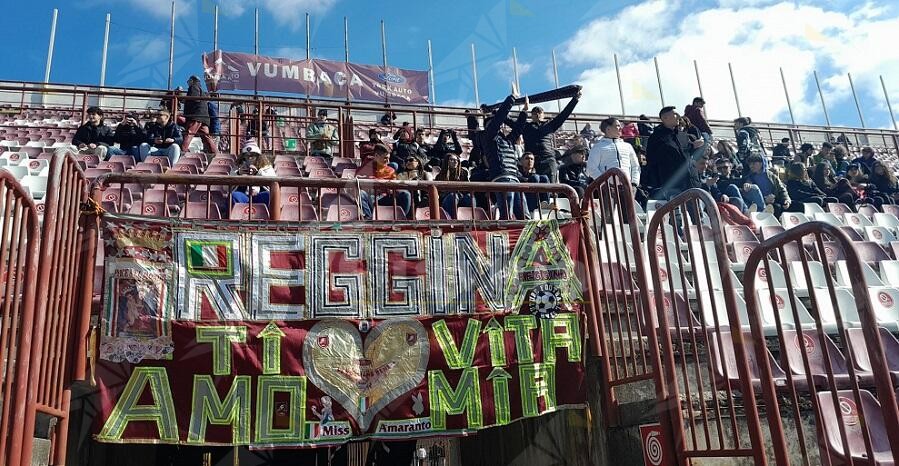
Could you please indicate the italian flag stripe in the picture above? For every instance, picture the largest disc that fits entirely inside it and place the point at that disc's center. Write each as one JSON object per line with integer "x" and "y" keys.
{"x": 209, "y": 256}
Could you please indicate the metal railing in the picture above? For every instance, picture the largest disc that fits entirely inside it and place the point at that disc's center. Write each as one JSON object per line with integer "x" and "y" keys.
{"x": 19, "y": 251}
{"x": 830, "y": 352}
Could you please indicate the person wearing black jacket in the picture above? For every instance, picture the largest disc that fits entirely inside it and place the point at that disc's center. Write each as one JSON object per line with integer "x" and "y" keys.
{"x": 574, "y": 173}
{"x": 163, "y": 137}
{"x": 130, "y": 135}
{"x": 196, "y": 115}
{"x": 498, "y": 150}
{"x": 94, "y": 137}
{"x": 444, "y": 146}
{"x": 803, "y": 191}
{"x": 538, "y": 137}
{"x": 667, "y": 163}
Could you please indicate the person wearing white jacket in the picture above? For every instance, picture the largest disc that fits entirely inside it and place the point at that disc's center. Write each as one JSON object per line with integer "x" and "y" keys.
{"x": 610, "y": 151}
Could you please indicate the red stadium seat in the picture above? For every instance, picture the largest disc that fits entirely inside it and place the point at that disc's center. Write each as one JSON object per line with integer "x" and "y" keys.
{"x": 249, "y": 212}
{"x": 298, "y": 213}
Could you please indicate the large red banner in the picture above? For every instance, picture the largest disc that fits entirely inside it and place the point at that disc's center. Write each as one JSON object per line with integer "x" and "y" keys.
{"x": 288, "y": 336}
{"x": 315, "y": 77}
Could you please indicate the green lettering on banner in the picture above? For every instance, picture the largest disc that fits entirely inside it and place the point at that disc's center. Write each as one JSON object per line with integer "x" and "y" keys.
{"x": 496, "y": 338}
{"x": 221, "y": 339}
{"x": 446, "y": 401}
{"x": 266, "y": 387}
{"x": 457, "y": 358}
{"x": 126, "y": 410}
{"x": 501, "y": 405}
{"x": 522, "y": 326}
{"x": 537, "y": 380}
{"x": 271, "y": 337}
{"x": 207, "y": 407}
{"x": 570, "y": 339}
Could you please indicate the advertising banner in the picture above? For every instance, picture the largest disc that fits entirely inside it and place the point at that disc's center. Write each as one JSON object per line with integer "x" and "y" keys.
{"x": 226, "y": 71}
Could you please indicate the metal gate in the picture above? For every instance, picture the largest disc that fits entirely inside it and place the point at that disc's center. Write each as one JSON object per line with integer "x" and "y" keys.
{"x": 829, "y": 389}
{"x": 20, "y": 230}
{"x": 702, "y": 366}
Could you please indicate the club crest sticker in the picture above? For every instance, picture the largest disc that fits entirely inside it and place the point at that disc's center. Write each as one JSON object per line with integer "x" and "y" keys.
{"x": 546, "y": 301}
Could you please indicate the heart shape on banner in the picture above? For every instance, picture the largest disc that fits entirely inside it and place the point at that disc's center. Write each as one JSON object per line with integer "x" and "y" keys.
{"x": 364, "y": 377}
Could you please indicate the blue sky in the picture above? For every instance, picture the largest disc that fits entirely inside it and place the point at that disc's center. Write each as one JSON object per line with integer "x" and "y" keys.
{"x": 756, "y": 36}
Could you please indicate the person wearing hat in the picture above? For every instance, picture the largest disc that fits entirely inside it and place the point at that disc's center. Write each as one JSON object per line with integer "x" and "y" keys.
{"x": 196, "y": 116}
{"x": 253, "y": 162}
{"x": 322, "y": 136}
{"x": 538, "y": 136}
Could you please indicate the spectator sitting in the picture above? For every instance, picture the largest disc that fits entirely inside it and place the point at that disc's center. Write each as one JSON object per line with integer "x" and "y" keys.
{"x": 802, "y": 190}
{"x": 840, "y": 189}
{"x": 806, "y": 151}
{"x": 574, "y": 172}
{"x": 856, "y": 178}
{"x": 94, "y": 137}
{"x": 414, "y": 170}
{"x": 734, "y": 187}
{"x": 867, "y": 161}
{"x": 129, "y": 135}
{"x": 163, "y": 137}
{"x": 452, "y": 170}
{"x": 388, "y": 118}
{"x": 708, "y": 181}
{"x": 840, "y": 162}
{"x": 748, "y": 142}
{"x": 726, "y": 150}
{"x": 588, "y": 133}
{"x": 196, "y": 115}
{"x": 775, "y": 195}
{"x": 405, "y": 145}
{"x": 884, "y": 181}
{"x": 367, "y": 148}
{"x": 825, "y": 155}
{"x": 253, "y": 162}
{"x": 782, "y": 150}
{"x": 527, "y": 173}
{"x": 378, "y": 168}
{"x": 610, "y": 151}
{"x": 322, "y": 136}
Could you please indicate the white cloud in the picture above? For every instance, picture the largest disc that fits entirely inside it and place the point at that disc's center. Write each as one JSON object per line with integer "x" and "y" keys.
{"x": 756, "y": 40}
{"x": 507, "y": 67}
{"x": 163, "y": 9}
{"x": 293, "y": 12}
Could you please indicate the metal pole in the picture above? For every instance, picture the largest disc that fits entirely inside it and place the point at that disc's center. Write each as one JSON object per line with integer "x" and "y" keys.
{"x": 105, "y": 50}
{"x": 515, "y": 68}
{"x": 256, "y": 34}
{"x": 620, "y": 89}
{"x": 659, "y": 80}
{"x": 346, "y": 40}
{"x": 699, "y": 84}
{"x": 858, "y": 106}
{"x": 431, "y": 74}
{"x": 215, "y": 28}
{"x": 384, "y": 52}
{"x": 50, "y": 47}
{"x": 308, "y": 39}
{"x": 474, "y": 75}
{"x": 734, "y": 85}
{"x": 172, "y": 46}
{"x": 886, "y": 97}
{"x": 556, "y": 78}
{"x": 821, "y": 95}
{"x": 787, "y": 94}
